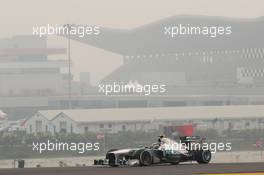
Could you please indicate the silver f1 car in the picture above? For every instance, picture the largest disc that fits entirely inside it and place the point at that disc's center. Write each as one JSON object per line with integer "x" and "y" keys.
{"x": 165, "y": 151}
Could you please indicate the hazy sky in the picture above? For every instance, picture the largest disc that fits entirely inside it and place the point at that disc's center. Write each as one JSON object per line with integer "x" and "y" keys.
{"x": 19, "y": 16}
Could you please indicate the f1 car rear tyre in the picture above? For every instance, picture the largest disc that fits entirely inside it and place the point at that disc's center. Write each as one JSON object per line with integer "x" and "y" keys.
{"x": 146, "y": 158}
{"x": 203, "y": 156}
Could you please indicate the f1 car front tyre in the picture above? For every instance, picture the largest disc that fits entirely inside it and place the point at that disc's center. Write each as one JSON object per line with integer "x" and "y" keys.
{"x": 203, "y": 156}
{"x": 111, "y": 158}
{"x": 146, "y": 158}
{"x": 107, "y": 154}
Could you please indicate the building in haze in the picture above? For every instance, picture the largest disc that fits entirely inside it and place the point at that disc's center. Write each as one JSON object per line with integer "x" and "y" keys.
{"x": 27, "y": 76}
{"x": 80, "y": 121}
{"x": 26, "y": 70}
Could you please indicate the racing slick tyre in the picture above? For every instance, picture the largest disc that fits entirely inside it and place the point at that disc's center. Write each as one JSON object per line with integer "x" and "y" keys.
{"x": 203, "y": 156}
{"x": 146, "y": 158}
{"x": 107, "y": 154}
{"x": 111, "y": 158}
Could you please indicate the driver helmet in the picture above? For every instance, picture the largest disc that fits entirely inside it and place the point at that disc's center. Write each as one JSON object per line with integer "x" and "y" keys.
{"x": 160, "y": 138}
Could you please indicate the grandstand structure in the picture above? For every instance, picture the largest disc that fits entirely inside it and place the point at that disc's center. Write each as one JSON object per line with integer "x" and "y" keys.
{"x": 198, "y": 70}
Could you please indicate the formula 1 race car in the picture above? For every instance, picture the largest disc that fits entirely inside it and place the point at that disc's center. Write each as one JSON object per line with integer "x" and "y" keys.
{"x": 165, "y": 151}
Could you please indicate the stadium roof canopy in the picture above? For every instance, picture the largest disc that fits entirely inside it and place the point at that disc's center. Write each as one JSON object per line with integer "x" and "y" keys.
{"x": 150, "y": 38}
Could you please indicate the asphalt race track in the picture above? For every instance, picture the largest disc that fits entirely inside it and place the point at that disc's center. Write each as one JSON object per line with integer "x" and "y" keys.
{"x": 152, "y": 170}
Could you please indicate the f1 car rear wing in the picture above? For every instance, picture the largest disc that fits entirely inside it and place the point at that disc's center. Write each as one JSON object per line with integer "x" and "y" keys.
{"x": 185, "y": 139}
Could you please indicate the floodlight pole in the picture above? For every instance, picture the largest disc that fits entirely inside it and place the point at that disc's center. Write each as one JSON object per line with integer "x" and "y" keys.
{"x": 69, "y": 69}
